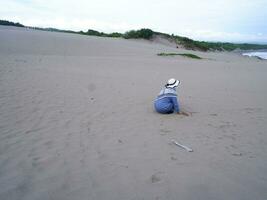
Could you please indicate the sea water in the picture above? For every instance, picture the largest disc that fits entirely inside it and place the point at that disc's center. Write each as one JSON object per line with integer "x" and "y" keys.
{"x": 262, "y": 54}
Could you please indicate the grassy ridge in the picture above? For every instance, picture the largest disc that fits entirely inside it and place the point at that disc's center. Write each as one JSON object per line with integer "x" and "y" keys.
{"x": 189, "y": 55}
{"x": 220, "y": 46}
{"x": 149, "y": 34}
{"x": 211, "y": 46}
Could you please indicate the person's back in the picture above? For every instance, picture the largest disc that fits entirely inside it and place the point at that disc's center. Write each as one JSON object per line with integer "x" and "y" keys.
{"x": 167, "y": 101}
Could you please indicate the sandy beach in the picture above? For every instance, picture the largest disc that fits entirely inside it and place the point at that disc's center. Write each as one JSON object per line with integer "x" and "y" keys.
{"x": 77, "y": 121}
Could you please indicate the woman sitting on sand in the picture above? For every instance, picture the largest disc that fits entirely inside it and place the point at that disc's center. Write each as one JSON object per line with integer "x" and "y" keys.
{"x": 167, "y": 102}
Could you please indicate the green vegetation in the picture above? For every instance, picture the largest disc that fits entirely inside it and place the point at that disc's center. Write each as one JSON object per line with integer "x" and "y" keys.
{"x": 210, "y": 46}
{"x": 168, "y": 54}
{"x": 53, "y": 30}
{"x": 191, "y": 44}
{"x": 142, "y": 33}
{"x": 148, "y": 34}
{"x": 93, "y": 32}
{"x": 189, "y": 55}
{"x": 89, "y": 32}
{"x": 219, "y": 46}
{"x": 8, "y": 23}
{"x": 115, "y": 34}
{"x": 100, "y": 34}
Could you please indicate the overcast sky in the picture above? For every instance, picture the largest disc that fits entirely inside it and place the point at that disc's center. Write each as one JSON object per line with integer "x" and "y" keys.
{"x": 210, "y": 20}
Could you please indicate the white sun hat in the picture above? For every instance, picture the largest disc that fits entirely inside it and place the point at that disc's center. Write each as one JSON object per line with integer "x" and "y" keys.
{"x": 172, "y": 83}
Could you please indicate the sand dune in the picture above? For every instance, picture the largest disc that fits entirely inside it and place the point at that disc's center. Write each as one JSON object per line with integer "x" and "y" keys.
{"x": 77, "y": 121}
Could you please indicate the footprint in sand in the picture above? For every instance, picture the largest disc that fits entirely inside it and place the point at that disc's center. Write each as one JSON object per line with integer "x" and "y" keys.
{"x": 88, "y": 127}
{"x": 164, "y": 131}
{"x": 252, "y": 110}
{"x": 156, "y": 177}
{"x": 214, "y": 114}
{"x": 186, "y": 114}
{"x": 226, "y": 126}
{"x": 173, "y": 158}
{"x": 49, "y": 144}
{"x": 20, "y": 60}
{"x": 237, "y": 154}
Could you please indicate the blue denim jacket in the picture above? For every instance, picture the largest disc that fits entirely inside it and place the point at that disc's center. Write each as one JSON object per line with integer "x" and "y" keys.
{"x": 167, "y": 101}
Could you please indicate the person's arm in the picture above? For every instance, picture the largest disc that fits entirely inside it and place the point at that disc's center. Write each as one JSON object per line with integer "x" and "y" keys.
{"x": 175, "y": 104}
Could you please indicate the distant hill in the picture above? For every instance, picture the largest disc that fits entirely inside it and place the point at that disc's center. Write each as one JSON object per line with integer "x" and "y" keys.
{"x": 190, "y": 44}
{"x": 149, "y": 34}
{"x": 8, "y": 23}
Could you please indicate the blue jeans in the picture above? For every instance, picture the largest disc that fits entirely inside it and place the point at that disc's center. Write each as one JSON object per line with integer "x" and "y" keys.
{"x": 164, "y": 107}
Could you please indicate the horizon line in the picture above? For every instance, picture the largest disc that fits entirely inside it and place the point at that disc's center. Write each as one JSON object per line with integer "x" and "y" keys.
{"x": 109, "y": 32}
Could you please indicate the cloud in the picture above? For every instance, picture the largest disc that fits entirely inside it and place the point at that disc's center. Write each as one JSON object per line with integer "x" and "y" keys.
{"x": 224, "y": 20}
{"x": 82, "y": 24}
{"x": 208, "y": 35}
